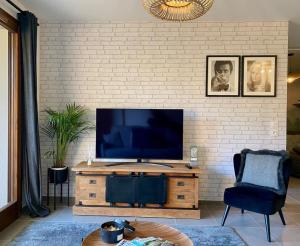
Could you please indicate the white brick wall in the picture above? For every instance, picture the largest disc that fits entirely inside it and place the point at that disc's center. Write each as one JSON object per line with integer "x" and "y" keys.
{"x": 162, "y": 65}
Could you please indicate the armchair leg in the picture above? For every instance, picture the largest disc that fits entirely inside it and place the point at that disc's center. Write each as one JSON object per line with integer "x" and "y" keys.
{"x": 225, "y": 214}
{"x": 242, "y": 210}
{"x": 267, "y": 222}
{"x": 281, "y": 216}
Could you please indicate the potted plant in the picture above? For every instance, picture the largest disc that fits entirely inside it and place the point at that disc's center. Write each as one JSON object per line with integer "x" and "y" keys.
{"x": 63, "y": 128}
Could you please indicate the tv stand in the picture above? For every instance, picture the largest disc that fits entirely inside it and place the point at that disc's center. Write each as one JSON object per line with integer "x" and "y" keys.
{"x": 138, "y": 162}
{"x": 182, "y": 190}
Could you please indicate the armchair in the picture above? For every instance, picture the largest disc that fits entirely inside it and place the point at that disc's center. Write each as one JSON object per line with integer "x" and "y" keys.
{"x": 257, "y": 198}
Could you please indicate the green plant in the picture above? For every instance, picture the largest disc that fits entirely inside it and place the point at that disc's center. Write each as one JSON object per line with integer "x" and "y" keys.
{"x": 65, "y": 127}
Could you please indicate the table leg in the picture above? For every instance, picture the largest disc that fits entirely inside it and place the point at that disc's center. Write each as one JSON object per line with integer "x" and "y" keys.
{"x": 48, "y": 191}
{"x": 61, "y": 193}
{"x": 68, "y": 191}
{"x": 54, "y": 196}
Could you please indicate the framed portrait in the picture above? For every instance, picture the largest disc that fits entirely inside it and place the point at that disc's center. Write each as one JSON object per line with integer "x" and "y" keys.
{"x": 259, "y": 76}
{"x": 222, "y": 76}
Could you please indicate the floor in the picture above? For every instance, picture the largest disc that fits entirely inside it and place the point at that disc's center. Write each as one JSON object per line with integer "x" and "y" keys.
{"x": 249, "y": 226}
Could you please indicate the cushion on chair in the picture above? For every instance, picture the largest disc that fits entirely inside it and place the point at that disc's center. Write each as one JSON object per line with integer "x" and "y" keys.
{"x": 254, "y": 199}
{"x": 263, "y": 168}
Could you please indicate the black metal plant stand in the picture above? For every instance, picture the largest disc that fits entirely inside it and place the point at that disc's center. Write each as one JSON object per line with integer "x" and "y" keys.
{"x": 54, "y": 178}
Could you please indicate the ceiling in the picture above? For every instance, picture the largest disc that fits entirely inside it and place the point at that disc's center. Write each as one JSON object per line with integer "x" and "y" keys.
{"x": 132, "y": 10}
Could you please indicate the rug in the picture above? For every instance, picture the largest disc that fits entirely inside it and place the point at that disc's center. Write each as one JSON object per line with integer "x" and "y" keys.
{"x": 70, "y": 234}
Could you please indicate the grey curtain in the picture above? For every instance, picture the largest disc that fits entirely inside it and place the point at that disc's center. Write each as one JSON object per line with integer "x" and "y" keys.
{"x": 30, "y": 144}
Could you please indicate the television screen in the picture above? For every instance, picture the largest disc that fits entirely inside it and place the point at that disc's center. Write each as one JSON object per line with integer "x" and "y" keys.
{"x": 139, "y": 133}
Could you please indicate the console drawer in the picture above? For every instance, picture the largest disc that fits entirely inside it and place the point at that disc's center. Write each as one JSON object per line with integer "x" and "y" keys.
{"x": 181, "y": 184}
{"x": 180, "y": 200}
{"x": 181, "y": 193}
{"x": 91, "y": 181}
{"x": 90, "y": 190}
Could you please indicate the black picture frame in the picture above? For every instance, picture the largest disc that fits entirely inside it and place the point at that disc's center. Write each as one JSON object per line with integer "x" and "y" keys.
{"x": 259, "y": 76}
{"x": 216, "y": 87}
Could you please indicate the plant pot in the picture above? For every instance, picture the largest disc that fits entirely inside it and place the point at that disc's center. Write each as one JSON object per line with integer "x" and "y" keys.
{"x": 58, "y": 175}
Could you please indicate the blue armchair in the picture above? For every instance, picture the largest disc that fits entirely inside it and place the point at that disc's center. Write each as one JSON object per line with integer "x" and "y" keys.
{"x": 256, "y": 198}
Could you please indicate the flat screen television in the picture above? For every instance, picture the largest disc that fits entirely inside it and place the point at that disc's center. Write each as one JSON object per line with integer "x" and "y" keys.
{"x": 139, "y": 134}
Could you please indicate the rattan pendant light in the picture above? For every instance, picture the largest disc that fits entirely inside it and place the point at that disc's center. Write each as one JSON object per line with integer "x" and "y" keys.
{"x": 177, "y": 10}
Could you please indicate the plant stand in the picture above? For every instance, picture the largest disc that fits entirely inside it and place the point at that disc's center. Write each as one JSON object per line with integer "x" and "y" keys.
{"x": 55, "y": 181}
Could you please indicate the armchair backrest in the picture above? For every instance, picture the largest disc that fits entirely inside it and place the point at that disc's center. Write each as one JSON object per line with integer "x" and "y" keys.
{"x": 286, "y": 168}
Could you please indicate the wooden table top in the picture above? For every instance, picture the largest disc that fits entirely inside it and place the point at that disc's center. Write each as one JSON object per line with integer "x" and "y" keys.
{"x": 144, "y": 167}
{"x": 144, "y": 229}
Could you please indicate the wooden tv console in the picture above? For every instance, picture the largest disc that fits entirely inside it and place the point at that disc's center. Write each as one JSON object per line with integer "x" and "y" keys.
{"x": 182, "y": 191}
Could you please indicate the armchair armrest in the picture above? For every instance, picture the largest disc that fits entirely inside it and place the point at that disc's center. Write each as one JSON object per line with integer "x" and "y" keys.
{"x": 237, "y": 163}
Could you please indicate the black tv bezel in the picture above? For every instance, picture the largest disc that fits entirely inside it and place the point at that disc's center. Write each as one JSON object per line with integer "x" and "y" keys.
{"x": 139, "y": 159}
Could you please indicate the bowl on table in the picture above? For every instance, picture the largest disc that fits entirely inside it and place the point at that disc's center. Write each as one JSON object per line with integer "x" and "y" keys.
{"x": 111, "y": 232}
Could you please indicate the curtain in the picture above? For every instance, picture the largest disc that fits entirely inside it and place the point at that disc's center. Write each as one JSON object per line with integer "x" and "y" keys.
{"x": 30, "y": 144}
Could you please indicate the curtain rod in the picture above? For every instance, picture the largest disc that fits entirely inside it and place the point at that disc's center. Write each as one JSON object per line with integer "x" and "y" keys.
{"x": 14, "y": 5}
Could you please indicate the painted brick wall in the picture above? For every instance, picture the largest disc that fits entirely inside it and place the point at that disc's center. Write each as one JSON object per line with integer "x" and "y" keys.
{"x": 162, "y": 65}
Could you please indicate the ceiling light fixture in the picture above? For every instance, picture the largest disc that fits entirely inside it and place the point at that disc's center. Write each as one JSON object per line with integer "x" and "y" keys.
{"x": 177, "y": 10}
{"x": 293, "y": 76}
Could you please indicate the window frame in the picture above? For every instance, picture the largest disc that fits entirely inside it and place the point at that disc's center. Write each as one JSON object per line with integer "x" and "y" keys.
{"x": 11, "y": 211}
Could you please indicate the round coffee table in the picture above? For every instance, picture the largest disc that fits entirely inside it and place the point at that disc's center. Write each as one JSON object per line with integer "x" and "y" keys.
{"x": 144, "y": 229}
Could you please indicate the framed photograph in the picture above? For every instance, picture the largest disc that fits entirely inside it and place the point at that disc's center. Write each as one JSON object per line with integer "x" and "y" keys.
{"x": 259, "y": 76}
{"x": 222, "y": 76}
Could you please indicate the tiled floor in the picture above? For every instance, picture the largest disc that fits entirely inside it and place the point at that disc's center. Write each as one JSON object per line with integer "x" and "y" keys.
{"x": 249, "y": 226}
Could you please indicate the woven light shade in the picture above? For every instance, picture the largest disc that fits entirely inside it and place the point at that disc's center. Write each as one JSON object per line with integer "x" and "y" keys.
{"x": 178, "y": 10}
